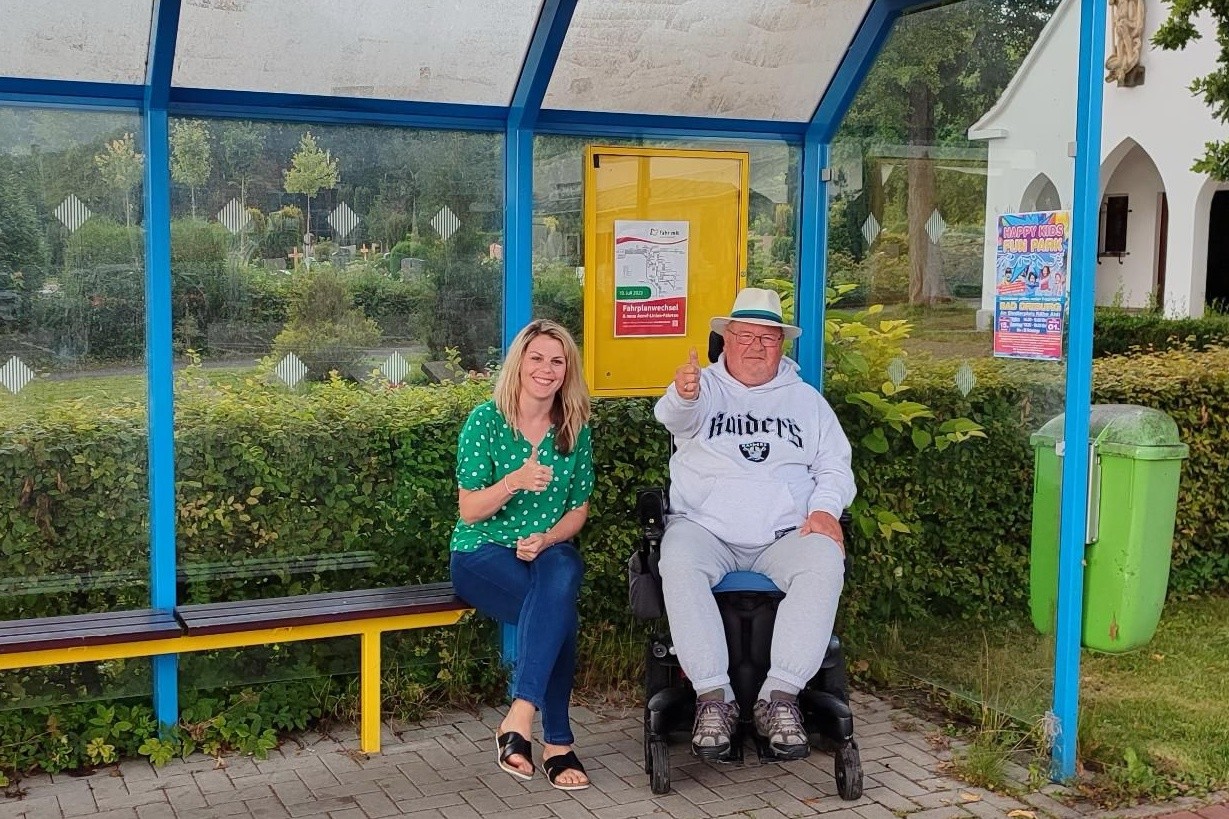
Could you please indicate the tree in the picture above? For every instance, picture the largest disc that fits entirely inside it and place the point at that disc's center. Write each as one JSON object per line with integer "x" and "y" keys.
{"x": 242, "y": 144}
{"x": 121, "y": 166}
{"x": 190, "y": 159}
{"x": 311, "y": 169}
{"x": 940, "y": 71}
{"x": 1178, "y": 30}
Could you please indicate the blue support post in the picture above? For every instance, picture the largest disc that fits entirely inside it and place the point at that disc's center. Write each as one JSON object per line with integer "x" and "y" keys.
{"x": 518, "y": 231}
{"x": 540, "y": 59}
{"x": 539, "y": 64}
{"x": 812, "y": 278}
{"x": 811, "y": 282}
{"x": 159, "y": 370}
{"x": 1074, "y": 506}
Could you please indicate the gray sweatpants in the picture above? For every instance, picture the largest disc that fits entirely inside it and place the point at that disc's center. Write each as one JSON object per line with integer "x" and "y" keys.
{"x": 810, "y": 570}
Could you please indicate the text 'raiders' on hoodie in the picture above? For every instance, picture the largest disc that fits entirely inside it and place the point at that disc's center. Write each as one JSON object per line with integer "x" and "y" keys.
{"x": 753, "y": 462}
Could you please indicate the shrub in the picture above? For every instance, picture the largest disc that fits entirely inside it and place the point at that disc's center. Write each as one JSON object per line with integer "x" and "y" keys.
{"x": 411, "y": 248}
{"x": 1116, "y": 332}
{"x": 468, "y": 310}
{"x": 101, "y": 241}
{"x": 1193, "y": 388}
{"x": 199, "y": 243}
{"x": 325, "y": 330}
{"x": 379, "y": 295}
{"x": 558, "y": 295}
{"x": 97, "y": 313}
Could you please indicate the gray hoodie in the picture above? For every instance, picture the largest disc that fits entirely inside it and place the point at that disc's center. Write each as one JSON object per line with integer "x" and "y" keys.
{"x": 753, "y": 462}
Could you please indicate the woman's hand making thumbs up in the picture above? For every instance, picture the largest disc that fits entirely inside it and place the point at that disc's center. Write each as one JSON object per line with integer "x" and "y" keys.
{"x": 532, "y": 476}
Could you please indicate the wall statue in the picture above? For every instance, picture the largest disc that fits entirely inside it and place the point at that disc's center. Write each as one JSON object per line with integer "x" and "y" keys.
{"x": 1122, "y": 65}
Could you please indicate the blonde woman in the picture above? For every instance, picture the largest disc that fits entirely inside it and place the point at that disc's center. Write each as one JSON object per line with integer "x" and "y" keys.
{"x": 525, "y": 473}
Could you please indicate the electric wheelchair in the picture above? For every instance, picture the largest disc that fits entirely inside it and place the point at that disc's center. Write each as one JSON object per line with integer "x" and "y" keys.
{"x": 748, "y": 603}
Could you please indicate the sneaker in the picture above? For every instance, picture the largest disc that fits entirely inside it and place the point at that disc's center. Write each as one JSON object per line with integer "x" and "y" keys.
{"x": 716, "y": 721}
{"x": 779, "y": 722}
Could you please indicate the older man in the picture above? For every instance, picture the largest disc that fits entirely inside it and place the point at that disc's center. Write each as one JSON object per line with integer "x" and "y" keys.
{"x": 759, "y": 479}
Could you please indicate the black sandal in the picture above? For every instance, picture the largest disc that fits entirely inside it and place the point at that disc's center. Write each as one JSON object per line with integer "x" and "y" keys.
{"x": 559, "y": 763}
{"x": 513, "y": 744}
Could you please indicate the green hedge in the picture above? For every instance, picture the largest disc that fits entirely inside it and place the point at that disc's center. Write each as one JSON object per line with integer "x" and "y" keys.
{"x": 347, "y": 486}
{"x": 1117, "y": 332}
{"x": 1193, "y": 387}
{"x": 322, "y": 479}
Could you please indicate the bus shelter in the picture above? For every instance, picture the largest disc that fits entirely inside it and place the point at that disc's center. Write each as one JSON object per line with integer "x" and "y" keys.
{"x": 511, "y": 81}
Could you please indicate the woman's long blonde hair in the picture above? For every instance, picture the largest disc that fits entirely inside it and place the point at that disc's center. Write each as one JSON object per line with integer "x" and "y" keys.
{"x": 570, "y": 411}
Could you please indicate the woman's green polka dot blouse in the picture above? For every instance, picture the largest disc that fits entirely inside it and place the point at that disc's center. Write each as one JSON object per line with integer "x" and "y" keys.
{"x": 487, "y": 450}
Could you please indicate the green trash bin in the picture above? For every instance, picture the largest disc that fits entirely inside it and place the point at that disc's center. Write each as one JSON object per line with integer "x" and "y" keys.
{"x": 1135, "y": 466}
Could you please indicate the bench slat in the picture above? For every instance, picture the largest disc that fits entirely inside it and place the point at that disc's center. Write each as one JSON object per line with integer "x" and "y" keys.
{"x": 299, "y": 610}
{"x": 88, "y": 630}
{"x": 313, "y": 600}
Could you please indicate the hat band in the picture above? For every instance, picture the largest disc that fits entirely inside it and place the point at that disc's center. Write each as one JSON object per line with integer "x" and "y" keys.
{"x": 756, "y": 314}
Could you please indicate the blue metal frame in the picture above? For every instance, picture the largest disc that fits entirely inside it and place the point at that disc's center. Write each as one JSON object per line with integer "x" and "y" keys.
{"x": 70, "y": 93}
{"x": 810, "y": 283}
{"x": 213, "y": 102}
{"x": 157, "y": 222}
{"x": 1073, "y": 516}
{"x": 664, "y": 126}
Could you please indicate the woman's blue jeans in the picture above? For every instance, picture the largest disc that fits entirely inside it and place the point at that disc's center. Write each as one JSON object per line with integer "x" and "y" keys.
{"x": 539, "y": 598}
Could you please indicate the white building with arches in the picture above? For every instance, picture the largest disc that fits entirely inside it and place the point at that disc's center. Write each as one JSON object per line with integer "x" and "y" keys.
{"x": 1164, "y": 234}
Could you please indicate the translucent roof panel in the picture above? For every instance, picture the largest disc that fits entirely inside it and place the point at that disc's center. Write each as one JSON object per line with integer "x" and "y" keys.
{"x": 84, "y": 40}
{"x": 431, "y": 50}
{"x": 756, "y": 59}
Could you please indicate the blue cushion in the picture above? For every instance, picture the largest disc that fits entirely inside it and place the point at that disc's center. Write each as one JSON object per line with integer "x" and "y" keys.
{"x": 745, "y": 581}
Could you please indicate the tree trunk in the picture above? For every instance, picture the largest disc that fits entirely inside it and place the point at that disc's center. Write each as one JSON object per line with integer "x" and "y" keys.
{"x": 927, "y": 284}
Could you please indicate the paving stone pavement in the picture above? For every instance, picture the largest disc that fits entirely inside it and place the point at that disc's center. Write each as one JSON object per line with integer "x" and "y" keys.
{"x": 445, "y": 769}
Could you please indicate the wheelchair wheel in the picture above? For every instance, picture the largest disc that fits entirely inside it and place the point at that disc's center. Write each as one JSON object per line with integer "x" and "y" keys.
{"x": 848, "y": 772}
{"x": 659, "y": 763}
{"x": 648, "y": 752}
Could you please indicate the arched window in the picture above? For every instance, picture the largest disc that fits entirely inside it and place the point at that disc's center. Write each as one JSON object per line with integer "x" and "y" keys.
{"x": 1040, "y": 195}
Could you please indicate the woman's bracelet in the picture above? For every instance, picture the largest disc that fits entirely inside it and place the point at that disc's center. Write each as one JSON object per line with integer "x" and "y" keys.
{"x": 507, "y": 487}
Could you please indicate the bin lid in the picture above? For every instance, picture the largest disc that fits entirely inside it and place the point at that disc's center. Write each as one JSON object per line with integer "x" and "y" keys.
{"x": 1123, "y": 429}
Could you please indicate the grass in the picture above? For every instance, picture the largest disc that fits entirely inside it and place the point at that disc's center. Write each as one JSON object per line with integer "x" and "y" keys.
{"x": 101, "y": 390}
{"x": 1154, "y": 722}
{"x": 128, "y": 385}
{"x": 942, "y": 332}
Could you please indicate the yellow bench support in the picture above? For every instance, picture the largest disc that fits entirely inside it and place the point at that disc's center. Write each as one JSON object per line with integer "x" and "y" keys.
{"x": 369, "y": 630}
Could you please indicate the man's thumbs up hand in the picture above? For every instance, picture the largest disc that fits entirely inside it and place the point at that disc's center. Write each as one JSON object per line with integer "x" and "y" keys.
{"x": 687, "y": 378}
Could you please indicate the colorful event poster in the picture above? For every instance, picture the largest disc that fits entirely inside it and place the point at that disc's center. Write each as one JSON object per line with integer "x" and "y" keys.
{"x": 650, "y": 278}
{"x": 1031, "y": 289}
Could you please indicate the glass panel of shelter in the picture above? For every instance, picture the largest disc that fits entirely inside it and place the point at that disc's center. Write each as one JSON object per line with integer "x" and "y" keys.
{"x": 769, "y": 59}
{"x": 319, "y": 266}
{"x": 77, "y": 40}
{"x": 465, "y": 52}
{"x": 74, "y": 536}
{"x": 926, "y": 176}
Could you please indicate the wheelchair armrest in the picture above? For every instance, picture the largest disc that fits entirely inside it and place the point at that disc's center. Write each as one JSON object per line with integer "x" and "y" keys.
{"x": 652, "y": 504}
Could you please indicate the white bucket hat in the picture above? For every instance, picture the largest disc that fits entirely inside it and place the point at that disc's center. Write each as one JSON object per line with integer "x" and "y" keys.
{"x": 755, "y": 305}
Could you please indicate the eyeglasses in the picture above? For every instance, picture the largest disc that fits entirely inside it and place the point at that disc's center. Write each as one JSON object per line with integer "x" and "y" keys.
{"x": 769, "y": 340}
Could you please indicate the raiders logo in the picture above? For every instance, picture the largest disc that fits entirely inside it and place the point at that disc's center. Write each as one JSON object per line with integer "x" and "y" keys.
{"x": 756, "y": 451}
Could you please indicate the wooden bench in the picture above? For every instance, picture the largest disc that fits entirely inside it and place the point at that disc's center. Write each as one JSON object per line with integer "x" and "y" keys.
{"x": 367, "y": 613}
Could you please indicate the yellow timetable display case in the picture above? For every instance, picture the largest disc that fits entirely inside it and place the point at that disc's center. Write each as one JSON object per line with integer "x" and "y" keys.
{"x": 665, "y": 251}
